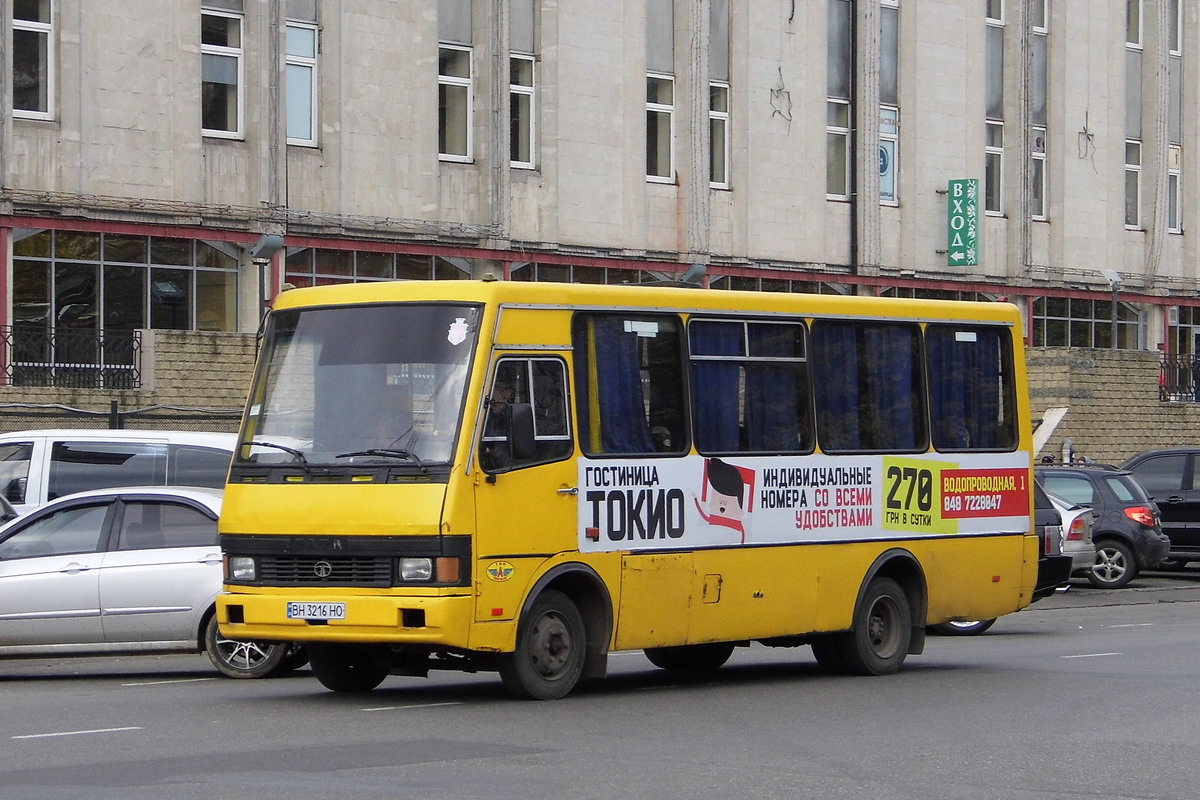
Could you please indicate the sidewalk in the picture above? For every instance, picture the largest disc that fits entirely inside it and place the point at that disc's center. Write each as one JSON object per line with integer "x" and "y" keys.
{"x": 1149, "y": 588}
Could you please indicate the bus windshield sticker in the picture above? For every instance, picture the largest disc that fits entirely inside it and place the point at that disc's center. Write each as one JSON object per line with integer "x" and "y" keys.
{"x": 458, "y": 331}
{"x": 641, "y": 327}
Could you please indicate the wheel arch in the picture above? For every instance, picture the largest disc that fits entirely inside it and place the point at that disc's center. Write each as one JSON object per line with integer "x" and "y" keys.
{"x": 584, "y": 586}
{"x": 905, "y": 569}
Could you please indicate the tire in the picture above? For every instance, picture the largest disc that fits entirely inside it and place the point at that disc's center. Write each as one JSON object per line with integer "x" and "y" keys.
{"x": 878, "y": 642}
{"x": 296, "y": 657}
{"x": 1115, "y": 565}
{"x": 236, "y": 659}
{"x": 955, "y": 628}
{"x": 346, "y": 668}
{"x": 828, "y": 652}
{"x": 551, "y": 645}
{"x": 1172, "y": 565}
{"x": 691, "y": 658}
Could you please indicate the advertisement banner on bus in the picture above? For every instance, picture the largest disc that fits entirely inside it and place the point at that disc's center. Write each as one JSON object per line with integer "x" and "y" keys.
{"x": 698, "y": 501}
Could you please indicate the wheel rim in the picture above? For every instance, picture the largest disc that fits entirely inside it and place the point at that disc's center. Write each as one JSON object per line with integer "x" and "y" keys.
{"x": 883, "y": 627}
{"x": 1110, "y": 565}
{"x": 243, "y": 655}
{"x": 550, "y": 646}
{"x": 962, "y": 624}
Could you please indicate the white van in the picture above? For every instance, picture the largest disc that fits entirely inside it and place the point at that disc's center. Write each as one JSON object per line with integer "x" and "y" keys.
{"x": 41, "y": 465}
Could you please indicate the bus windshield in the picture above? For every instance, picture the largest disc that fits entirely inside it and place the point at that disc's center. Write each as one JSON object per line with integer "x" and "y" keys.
{"x": 380, "y": 384}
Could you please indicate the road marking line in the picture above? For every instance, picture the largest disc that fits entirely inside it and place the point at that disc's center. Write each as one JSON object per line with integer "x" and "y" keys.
{"x": 1133, "y": 625}
{"x": 161, "y": 683}
{"x": 418, "y": 705}
{"x": 76, "y": 733}
{"x": 1093, "y": 655}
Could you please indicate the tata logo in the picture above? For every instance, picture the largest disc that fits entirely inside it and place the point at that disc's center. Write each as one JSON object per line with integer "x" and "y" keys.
{"x": 323, "y": 569}
{"x": 500, "y": 571}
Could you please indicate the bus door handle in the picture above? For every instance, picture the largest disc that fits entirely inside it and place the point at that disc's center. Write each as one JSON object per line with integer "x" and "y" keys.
{"x": 569, "y": 490}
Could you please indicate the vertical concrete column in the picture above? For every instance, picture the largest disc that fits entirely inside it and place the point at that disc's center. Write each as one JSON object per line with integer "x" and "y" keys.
{"x": 866, "y": 135}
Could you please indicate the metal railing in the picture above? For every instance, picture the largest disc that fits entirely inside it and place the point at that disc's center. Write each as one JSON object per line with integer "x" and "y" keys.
{"x": 1179, "y": 378}
{"x": 70, "y": 358}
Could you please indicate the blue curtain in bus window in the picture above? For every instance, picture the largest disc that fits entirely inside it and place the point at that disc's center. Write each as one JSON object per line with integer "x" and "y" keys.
{"x": 623, "y": 424}
{"x": 715, "y": 385}
{"x": 966, "y": 389}
{"x": 834, "y": 357}
{"x": 771, "y": 402}
{"x": 895, "y": 408}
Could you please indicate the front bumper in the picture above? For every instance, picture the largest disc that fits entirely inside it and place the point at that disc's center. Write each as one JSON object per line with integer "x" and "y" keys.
{"x": 440, "y": 621}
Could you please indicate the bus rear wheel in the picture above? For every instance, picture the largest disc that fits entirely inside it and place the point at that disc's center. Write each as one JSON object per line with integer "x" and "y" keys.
{"x": 879, "y": 640}
{"x": 694, "y": 658}
{"x": 551, "y": 644}
{"x": 345, "y": 668}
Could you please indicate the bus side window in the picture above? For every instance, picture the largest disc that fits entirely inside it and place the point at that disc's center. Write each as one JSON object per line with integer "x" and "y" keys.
{"x": 629, "y": 384}
{"x": 972, "y": 400}
{"x": 525, "y": 417}
{"x": 867, "y": 378}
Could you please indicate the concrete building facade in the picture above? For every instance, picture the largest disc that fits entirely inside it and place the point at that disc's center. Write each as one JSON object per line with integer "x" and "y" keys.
{"x": 172, "y": 165}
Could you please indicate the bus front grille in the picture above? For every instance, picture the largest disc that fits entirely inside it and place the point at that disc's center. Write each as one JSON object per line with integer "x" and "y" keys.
{"x": 334, "y": 571}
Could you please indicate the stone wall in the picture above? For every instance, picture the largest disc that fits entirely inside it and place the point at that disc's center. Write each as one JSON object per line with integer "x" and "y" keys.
{"x": 190, "y": 369}
{"x": 1113, "y": 401}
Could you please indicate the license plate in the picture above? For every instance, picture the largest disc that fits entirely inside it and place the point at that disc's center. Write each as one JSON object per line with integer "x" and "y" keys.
{"x": 316, "y": 610}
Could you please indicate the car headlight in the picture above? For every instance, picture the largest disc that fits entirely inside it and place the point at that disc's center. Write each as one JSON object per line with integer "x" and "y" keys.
{"x": 240, "y": 568}
{"x": 416, "y": 569}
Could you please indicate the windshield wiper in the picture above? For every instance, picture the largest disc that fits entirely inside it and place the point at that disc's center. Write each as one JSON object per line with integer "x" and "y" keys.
{"x": 385, "y": 452}
{"x": 289, "y": 450}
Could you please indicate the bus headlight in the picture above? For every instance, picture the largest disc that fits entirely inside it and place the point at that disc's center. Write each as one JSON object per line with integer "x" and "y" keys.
{"x": 416, "y": 569}
{"x": 241, "y": 568}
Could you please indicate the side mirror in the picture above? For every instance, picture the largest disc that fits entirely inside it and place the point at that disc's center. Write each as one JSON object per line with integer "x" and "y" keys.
{"x": 511, "y": 442}
{"x": 521, "y": 432}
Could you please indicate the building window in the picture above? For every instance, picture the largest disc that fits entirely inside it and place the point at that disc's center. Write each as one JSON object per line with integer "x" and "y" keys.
{"x": 301, "y": 84}
{"x": 1039, "y": 83}
{"x": 318, "y": 266}
{"x": 1133, "y": 184}
{"x": 1175, "y": 189}
{"x": 718, "y": 133}
{"x": 221, "y": 74}
{"x": 32, "y": 59}
{"x": 454, "y": 103}
{"x": 520, "y": 110}
{"x": 993, "y": 167}
{"x": 993, "y": 189}
{"x": 660, "y": 128}
{"x": 1081, "y": 322}
{"x": 118, "y": 282}
{"x": 837, "y": 106}
{"x": 889, "y": 99}
{"x": 889, "y": 139}
{"x": 1037, "y": 178}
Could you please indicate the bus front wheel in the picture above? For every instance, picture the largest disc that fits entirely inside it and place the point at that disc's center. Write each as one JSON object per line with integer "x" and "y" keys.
{"x": 694, "y": 658}
{"x": 551, "y": 644}
{"x": 345, "y": 668}
{"x": 879, "y": 640}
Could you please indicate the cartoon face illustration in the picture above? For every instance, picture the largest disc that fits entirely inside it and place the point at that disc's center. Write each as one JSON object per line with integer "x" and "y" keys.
{"x": 727, "y": 490}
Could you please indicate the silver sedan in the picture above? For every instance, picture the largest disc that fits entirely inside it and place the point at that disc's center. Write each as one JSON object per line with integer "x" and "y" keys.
{"x": 122, "y": 571}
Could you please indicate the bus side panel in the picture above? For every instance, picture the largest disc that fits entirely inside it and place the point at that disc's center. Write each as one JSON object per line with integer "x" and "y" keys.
{"x": 752, "y": 593}
{"x": 656, "y": 600}
{"x": 974, "y": 578}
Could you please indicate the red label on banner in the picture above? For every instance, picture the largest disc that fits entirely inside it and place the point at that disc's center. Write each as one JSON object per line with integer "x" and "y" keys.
{"x": 985, "y": 493}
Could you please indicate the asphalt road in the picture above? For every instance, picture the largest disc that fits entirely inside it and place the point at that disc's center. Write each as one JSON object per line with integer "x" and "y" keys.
{"x": 1088, "y": 694}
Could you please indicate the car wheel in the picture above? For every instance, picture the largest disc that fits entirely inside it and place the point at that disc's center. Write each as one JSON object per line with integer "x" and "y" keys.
{"x": 963, "y": 628}
{"x": 1172, "y": 564}
{"x": 237, "y": 659}
{"x": 693, "y": 658}
{"x": 346, "y": 668}
{"x": 1115, "y": 565}
{"x": 551, "y": 644}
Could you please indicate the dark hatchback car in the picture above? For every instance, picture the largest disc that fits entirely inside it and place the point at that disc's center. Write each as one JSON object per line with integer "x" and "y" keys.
{"x": 1169, "y": 477}
{"x": 1126, "y": 528}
